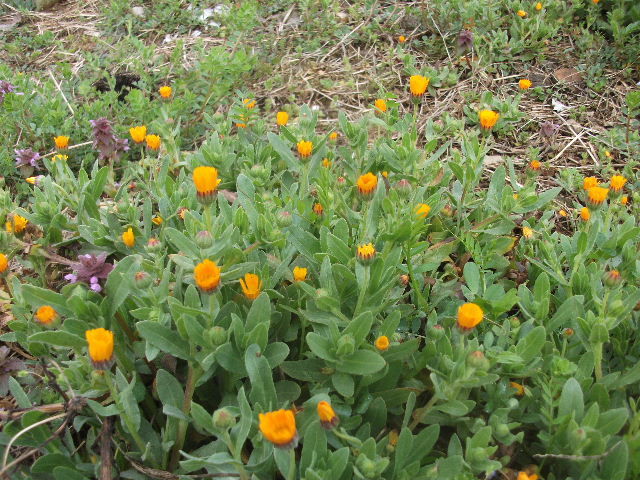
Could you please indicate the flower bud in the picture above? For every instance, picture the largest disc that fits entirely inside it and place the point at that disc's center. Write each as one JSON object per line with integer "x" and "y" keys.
{"x": 217, "y": 336}
{"x": 477, "y": 360}
{"x": 577, "y": 436}
{"x": 223, "y": 419}
{"x": 366, "y": 466}
{"x": 404, "y": 280}
{"x": 142, "y": 280}
{"x": 241, "y": 220}
{"x": 437, "y": 331}
{"x": 258, "y": 172}
{"x": 403, "y": 187}
{"x": 346, "y": 345}
{"x": 284, "y": 218}
{"x": 612, "y": 278}
{"x": 204, "y": 239}
{"x": 153, "y": 245}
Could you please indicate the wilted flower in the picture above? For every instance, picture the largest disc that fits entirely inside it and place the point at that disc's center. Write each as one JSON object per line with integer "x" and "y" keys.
{"x": 7, "y": 364}
{"x": 279, "y": 428}
{"x": 153, "y": 142}
{"x": 382, "y": 343}
{"x": 367, "y": 184}
{"x": 207, "y": 276}
{"x": 100, "y": 343}
{"x": 305, "y": 148}
{"x": 328, "y": 417}
{"x": 549, "y": 129}
{"x": 418, "y": 85}
{"x": 299, "y": 274}
{"x": 165, "y": 91}
{"x": 525, "y": 84}
{"x": 282, "y": 118}
{"x": 381, "y": 105}
{"x": 318, "y": 209}
{"x": 251, "y": 285}
{"x": 46, "y": 315}
{"x": 589, "y": 182}
{"x": 469, "y": 315}
{"x": 365, "y": 253}
{"x": 27, "y": 158}
{"x": 104, "y": 140}
{"x": 465, "y": 39}
{"x": 488, "y": 118}
{"x": 138, "y": 133}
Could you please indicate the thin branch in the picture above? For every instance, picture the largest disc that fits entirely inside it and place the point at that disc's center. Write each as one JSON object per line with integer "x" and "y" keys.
{"x": 578, "y": 457}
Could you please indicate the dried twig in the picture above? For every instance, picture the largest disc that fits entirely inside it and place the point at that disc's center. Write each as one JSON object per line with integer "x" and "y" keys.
{"x": 106, "y": 465}
{"x": 578, "y": 457}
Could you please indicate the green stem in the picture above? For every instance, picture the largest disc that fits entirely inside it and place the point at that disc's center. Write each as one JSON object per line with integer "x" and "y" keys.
{"x": 417, "y": 288}
{"x": 244, "y": 475}
{"x": 124, "y": 415}
{"x": 291, "y": 474}
{"x": 346, "y": 437}
{"x": 423, "y": 413}
{"x": 597, "y": 356}
{"x": 192, "y": 377}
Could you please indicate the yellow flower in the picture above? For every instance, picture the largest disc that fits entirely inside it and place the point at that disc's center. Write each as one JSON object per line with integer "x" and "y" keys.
{"x": 535, "y": 165}
{"x": 367, "y": 184}
{"x": 241, "y": 125}
{"x": 522, "y": 13}
{"x": 279, "y": 428}
{"x": 318, "y": 209}
{"x": 527, "y": 232}
{"x": 326, "y": 163}
{"x": 607, "y": 154}
{"x": 4, "y": 263}
{"x": 63, "y": 158}
{"x": 469, "y": 315}
{"x": 129, "y": 238}
{"x": 385, "y": 174}
{"x": 488, "y": 118}
{"x": 524, "y": 475}
{"x": 46, "y": 315}
{"x": 328, "y": 417}
{"x": 61, "y": 142}
{"x": 624, "y": 200}
{"x": 562, "y": 213}
{"x": 206, "y": 181}
{"x": 299, "y": 274}
{"x": 305, "y": 148}
{"x": 138, "y": 133}
{"x": 538, "y": 6}
{"x": 418, "y": 85}
{"x": 365, "y": 253}
{"x": 597, "y": 195}
{"x": 617, "y": 182}
{"x": 282, "y": 118}
{"x": 249, "y": 103}
{"x": 153, "y": 142}
{"x": 381, "y": 105}
{"x": 207, "y": 276}
{"x": 525, "y": 84}
{"x": 17, "y": 224}
{"x": 100, "y": 343}
{"x": 165, "y": 91}
{"x": 333, "y": 136}
{"x": 519, "y": 388}
{"x": 251, "y": 285}
{"x": 422, "y": 210}
{"x": 402, "y": 39}
{"x": 585, "y": 214}
{"x": 382, "y": 343}
{"x": 31, "y": 180}
{"x": 589, "y": 182}
{"x": 157, "y": 220}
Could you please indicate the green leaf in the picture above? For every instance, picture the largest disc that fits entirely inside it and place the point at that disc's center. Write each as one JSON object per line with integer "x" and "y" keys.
{"x": 571, "y": 400}
{"x": 259, "y": 312}
{"x": 18, "y": 393}
{"x": 169, "y": 389}
{"x": 530, "y": 346}
{"x": 320, "y": 346}
{"x": 361, "y": 362}
{"x": 614, "y": 465}
{"x": 284, "y": 151}
{"x": 37, "y": 296}
{"x": 360, "y": 327}
{"x": 181, "y": 243}
{"x": 263, "y": 390}
{"x": 59, "y": 338}
{"x": 425, "y": 440}
{"x": 246, "y": 197}
{"x": 343, "y": 384}
{"x": 47, "y": 463}
{"x": 246, "y": 419}
{"x": 455, "y": 408}
{"x": 119, "y": 283}
{"x": 471, "y": 274}
{"x": 164, "y": 338}
{"x": 541, "y": 295}
{"x": 404, "y": 450}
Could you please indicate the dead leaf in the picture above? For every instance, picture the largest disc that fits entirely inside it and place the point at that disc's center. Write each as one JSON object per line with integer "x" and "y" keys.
{"x": 568, "y": 75}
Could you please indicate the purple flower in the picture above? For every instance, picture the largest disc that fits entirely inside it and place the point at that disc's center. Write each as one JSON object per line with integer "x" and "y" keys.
{"x": 7, "y": 365}
{"x": 91, "y": 266}
{"x": 71, "y": 278}
{"x": 549, "y": 129}
{"x": 26, "y": 157}
{"x": 6, "y": 87}
{"x": 465, "y": 39}
{"x": 108, "y": 145}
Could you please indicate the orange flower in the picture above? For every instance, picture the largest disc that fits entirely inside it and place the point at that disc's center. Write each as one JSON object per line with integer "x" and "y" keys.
{"x": 282, "y": 118}
{"x": 4, "y": 263}
{"x": 279, "y": 428}
{"x": 367, "y": 184}
{"x": 562, "y": 213}
{"x": 535, "y": 165}
{"x": 299, "y": 274}
{"x": 64, "y": 158}
{"x": 165, "y": 91}
{"x": 157, "y": 220}
{"x": 596, "y": 1}
{"x": 305, "y": 148}
{"x": 365, "y": 253}
{"x": 538, "y": 6}
{"x": 206, "y": 181}
{"x": 519, "y": 388}
{"x": 129, "y": 238}
{"x": 418, "y": 85}
{"x": 402, "y": 39}
{"x": 525, "y": 84}
{"x": 469, "y": 315}
{"x": 61, "y": 142}
{"x": 527, "y": 232}
{"x": 617, "y": 183}
{"x": 251, "y": 285}
{"x": 380, "y": 104}
{"x": 624, "y": 200}
{"x": 17, "y": 224}
{"x": 46, "y": 315}
{"x": 318, "y": 209}
{"x": 153, "y": 142}
{"x": 207, "y": 276}
{"x": 326, "y": 163}
{"x": 333, "y": 136}
{"x": 522, "y": 13}
{"x": 524, "y": 475}
{"x": 488, "y": 118}
{"x": 100, "y": 348}
{"x": 597, "y": 195}
{"x": 249, "y": 103}
{"x": 382, "y": 343}
{"x": 422, "y": 210}
{"x": 328, "y": 417}
{"x": 138, "y": 133}
{"x": 585, "y": 214}
{"x": 589, "y": 182}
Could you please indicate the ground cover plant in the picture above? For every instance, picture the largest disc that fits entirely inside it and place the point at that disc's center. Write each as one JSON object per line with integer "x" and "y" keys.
{"x": 311, "y": 240}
